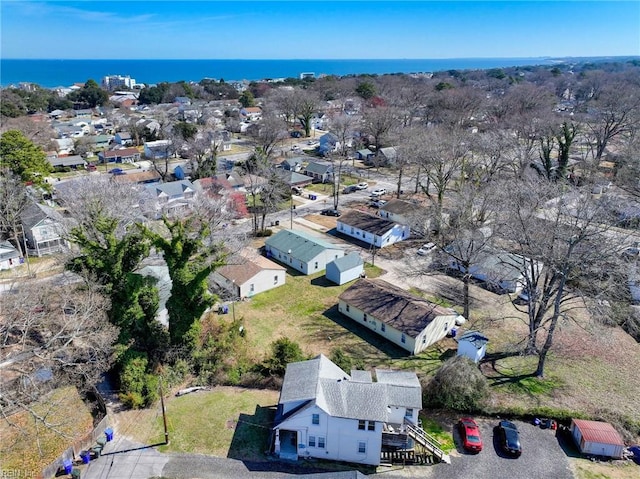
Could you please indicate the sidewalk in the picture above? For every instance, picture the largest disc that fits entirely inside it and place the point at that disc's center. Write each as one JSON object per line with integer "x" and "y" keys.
{"x": 125, "y": 459}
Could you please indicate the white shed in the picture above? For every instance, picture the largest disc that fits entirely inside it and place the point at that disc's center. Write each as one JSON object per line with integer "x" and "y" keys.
{"x": 345, "y": 269}
{"x": 597, "y": 438}
{"x": 472, "y": 345}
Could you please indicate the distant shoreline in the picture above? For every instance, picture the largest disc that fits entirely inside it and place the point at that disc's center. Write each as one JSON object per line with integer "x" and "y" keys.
{"x": 52, "y": 73}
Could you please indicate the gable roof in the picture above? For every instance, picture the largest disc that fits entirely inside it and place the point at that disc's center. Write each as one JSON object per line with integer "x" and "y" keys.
{"x": 8, "y": 251}
{"x": 35, "y": 213}
{"x": 335, "y": 392}
{"x": 318, "y": 168}
{"x": 399, "y": 207}
{"x": 366, "y": 222}
{"x": 598, "y": 431}
{"x": 303, "y": 246}
{"x": 394, "y": 306}
{"x": 171, "y": 189}
{"x": 123, "y": 152}
{"x": 247, "y": 268}
{"x": 292, "y": 178}
{"x": 348, "y": 261}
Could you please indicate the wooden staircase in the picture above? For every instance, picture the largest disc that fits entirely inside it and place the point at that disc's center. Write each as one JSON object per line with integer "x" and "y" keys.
{"x": 427, "y": 441}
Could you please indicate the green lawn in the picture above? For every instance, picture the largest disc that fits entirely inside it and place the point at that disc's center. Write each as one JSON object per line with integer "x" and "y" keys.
{"x": 224, "y": 422}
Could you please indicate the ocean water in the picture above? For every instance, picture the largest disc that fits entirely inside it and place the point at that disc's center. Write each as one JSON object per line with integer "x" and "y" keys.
{"x": 54, "y": 73}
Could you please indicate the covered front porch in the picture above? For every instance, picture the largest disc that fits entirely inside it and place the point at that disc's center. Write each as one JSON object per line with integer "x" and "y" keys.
{"x": 286, "y": 444}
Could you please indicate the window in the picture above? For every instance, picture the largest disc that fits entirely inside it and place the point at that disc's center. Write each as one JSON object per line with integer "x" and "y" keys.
{"x": 252, "y": 287}
{"x": 371, "y": 426}
{"x": 424, "y": 339}
{"x": 403, "y": 339}
{"x": 383, "y": 327}
{"x": 365, "y": 317}
{"x": 361, "y": 425}
{"x": 352, "y": 230}
{"x": 373, "y": 324}
{"x": 290, "y": 260}
{"x": 275, "y": 279}
{"x": 347, "y": 308}
{"x": 312, "y": 441}
{"x": 362, "y": 447}
{"x": 446, "y": 326}
{"x": 408, "y": 412}
{"x": 315, "y": 419}
{"x": 316, "y": 265}
{"x": 321, "y": 442}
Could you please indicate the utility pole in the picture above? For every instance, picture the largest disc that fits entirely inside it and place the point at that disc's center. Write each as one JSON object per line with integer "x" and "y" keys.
{"x": 164, "y": 412}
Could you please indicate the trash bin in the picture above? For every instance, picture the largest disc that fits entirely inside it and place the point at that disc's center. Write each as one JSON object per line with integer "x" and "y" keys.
{"x": 101, "y": 441}
{"x": 96, "y": 451}
{"x": 85, "y": 456}
{"x": 67, "y": 464}
{"x": 75, "y": 474}
{"x": 225, "y": 309}
{"x": 277, "y": 222}
{"x": 108, "y": 432}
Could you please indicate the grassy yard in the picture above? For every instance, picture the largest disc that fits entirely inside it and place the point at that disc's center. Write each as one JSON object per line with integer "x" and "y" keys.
{"x": 237, "y": 423}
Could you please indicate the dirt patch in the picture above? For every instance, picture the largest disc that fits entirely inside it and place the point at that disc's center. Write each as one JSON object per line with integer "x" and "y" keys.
{"x": 328, "y": 222}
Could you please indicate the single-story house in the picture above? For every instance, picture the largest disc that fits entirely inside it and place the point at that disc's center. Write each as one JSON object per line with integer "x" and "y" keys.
{"x": 325, "y": 413}
{"x": 322, "y": 172}
{"x": 387, "y": 156}
{"x": 249, "y": 275}
{"x": 399, "y": 211}
{"x": 123, "y": 138}
{"x": 597, "y": 438}
{"x": 42, "y": 229}
{"x": 409, "y": 321}
{"x": 499, "y": 270}
{"x": 167, "y": 199}
{"x": 123, "y": 155}
{"x": 10, "y": 257}
{"x": 99, "y": 142}
{"x": 345, "y": 269}
{"x": 64, "y": 146}
{"x": 73, "y": 161}
{"x": 292, "y": 164}
{"x": 301, "y": 251}
{"x": 371, "y": 229}
{"x": 158, "y": 150}
{"x": 472, "y": 345}
{"x": 292, "y": 178}
{"x": 365, "y": 154}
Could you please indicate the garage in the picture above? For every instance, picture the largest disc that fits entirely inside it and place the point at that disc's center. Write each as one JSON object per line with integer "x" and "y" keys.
{"x": 597, "y": 438}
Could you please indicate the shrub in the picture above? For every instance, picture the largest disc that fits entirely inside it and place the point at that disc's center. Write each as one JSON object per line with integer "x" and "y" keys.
{"x": 458, "y": 384}
{"x": 263, "y": 233}
{"x": 283, "y": 352}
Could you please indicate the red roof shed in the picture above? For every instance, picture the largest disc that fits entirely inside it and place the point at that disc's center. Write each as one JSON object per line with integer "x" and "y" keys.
{"x": 597, "y": 438}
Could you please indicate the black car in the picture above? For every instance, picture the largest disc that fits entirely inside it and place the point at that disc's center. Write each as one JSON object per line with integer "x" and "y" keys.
{"x": 330, "y": 212}
{"x": 509, "y": 438}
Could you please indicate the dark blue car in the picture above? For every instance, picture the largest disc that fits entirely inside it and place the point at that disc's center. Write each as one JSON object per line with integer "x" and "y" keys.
{"x": 509, "y": 438}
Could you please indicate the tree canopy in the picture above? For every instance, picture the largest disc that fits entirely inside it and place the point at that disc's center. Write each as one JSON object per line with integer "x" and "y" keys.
{"x": 23, "y": 158}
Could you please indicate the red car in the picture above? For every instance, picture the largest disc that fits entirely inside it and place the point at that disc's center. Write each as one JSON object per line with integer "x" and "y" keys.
{"x": 470, "y": 435}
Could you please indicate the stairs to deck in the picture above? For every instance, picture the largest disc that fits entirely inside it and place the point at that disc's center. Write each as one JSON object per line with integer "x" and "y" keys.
{"x": 428, "y": 442}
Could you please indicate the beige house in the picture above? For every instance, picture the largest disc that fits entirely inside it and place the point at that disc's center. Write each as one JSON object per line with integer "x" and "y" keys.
{"x": 409, "y": 321}
{"x": 249, "y": 276}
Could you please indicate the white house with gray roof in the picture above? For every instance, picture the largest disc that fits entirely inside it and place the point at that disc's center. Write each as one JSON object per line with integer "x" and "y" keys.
{"x": 42, "y": 226}
{"x": 167, "y": 199}
{"x": 409, "y": 321}
{"x": 371, "y": 229}
{"x": 472, "y": 345}
{"x": 325, "y": 413}
{"x": 301, "y": 251}
{"x": 345, "y": 269}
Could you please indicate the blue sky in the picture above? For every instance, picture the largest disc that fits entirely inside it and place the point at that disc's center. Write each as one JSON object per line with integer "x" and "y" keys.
{"x": 317, "y": 29}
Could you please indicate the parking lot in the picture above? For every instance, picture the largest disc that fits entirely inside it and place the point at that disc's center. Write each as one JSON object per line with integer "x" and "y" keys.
{"x": 542, "y": 457}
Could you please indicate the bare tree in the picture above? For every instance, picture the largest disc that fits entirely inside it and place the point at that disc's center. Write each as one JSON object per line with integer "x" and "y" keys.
{"x": 378, "y": 123}
{"x": 307, "y": 103}
{"x": 13, "y": 202}
{"x": 343, "y": 126}
{"x": 570, "y": 233}
{"x": 271, "y": 132}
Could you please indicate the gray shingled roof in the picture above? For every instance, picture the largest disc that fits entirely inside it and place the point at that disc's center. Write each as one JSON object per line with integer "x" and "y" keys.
{"x": 366, "y": 222}
{"x": 399, "y": 207}
{"x": 318, "y": 168}
{"x": 394, "y": 306}
{"x": 348, "y": 261}
{"x": 35, "y": 213}
{"x": 341, "y": 396}
{"x": 304, "y": 247}
{"x": 173, "y": 189}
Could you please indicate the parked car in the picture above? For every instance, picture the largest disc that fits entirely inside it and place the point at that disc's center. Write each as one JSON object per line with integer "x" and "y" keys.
{"x": 470, "y": 434}
{"x": 425, "y": 249}
{"x": 509, "y": 438}
{"x": 330, "y": 212}
{"x": 377, "y": 203}
{"x": 379, "y": 192}
{"x": 362, "y": 186}
{"x": 349, "y": 189}
{"x": 296, "y": 190}
{"x": 523, "y": 297}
